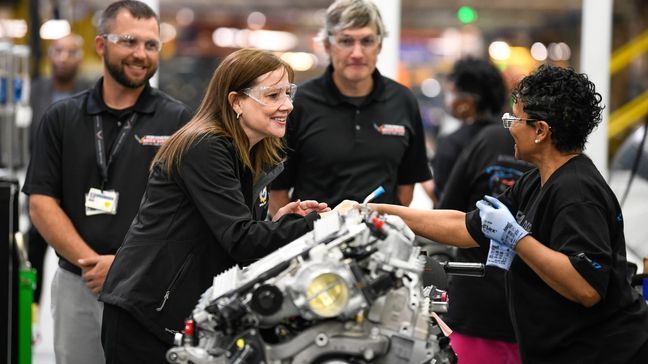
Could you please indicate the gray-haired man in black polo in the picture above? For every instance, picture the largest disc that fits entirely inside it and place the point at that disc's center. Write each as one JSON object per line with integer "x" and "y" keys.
{"x": 352, "y": 129}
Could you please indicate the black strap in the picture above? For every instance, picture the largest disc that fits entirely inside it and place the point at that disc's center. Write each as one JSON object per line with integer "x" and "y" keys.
{"x": 100, "y": 149}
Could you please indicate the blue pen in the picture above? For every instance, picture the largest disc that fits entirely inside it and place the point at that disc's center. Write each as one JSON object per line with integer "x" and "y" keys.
{"x": 377, "y": 192}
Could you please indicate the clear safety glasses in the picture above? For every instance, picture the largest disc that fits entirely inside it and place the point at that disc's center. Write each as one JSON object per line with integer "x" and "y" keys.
{"x": 271, "y": 95}
{"x": 508, "y": 120}
{"x": 131, "y": 42}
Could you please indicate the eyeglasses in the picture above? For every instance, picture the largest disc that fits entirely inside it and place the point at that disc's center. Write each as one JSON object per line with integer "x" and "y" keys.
{"x": 271, "y": 95}
{"x": 131, "y": 42}
{"x": 509, "y": 119}
{"x": 347, "y": 43}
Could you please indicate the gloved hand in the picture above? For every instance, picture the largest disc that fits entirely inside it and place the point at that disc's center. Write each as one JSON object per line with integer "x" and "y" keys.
{"x": 499, "y": 255}
{"x": 498, "y": 223}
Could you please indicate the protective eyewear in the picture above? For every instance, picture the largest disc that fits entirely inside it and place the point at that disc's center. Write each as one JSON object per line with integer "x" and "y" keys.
{"x": 509, "y": 119}
{"x": 131, "y": 42}
{"x": 271, "y": 95}
{"x": 348, "y": 43}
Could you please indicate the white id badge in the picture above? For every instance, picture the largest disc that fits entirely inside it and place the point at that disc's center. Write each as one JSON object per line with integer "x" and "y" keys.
{"x": 91, "y": 212}
{"x": 101, "y": 202}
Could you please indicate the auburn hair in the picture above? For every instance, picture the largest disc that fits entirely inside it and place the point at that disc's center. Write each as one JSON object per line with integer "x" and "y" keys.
{"x": 216, "y": 116}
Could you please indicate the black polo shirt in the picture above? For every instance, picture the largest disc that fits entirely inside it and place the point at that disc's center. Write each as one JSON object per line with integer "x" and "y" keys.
{"x": 64, "y": 164}
{"x": 342, "y": 149}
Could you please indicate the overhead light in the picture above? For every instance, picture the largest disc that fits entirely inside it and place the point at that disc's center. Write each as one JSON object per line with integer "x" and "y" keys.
{"x": 13, "y": 28}
{"x": 538, "y": 51}
{"x": 185, "y": 16}
{"x": 271, "y": 40}
{"x": 54, "y": 29}
{"x": 256, "y": 20}
{"x": 224, "y": 37}
{"x": 300, "y": 61}
{"x": 559, "y": 51}
{"x": 466, "y": 14}
{"x": 499, "y": 50}
{"x": 431, "y": 87}
{"x": 167, "y": 32}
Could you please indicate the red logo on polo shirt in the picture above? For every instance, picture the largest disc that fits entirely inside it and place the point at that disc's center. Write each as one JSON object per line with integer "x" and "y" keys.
{"x": 390, "y": 129}
{"x": 154, "y": 140}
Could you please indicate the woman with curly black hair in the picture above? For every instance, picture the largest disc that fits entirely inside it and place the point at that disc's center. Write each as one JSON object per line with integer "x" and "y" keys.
{"x": 475, "y": 94}
{"x": 558, "y": 231}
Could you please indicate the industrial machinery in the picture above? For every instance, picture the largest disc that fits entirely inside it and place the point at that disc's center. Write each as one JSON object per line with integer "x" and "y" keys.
{"x": 350, "y": 291}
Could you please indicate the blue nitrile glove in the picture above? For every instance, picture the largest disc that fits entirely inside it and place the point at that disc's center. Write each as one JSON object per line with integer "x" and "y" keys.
{"x": 498, "y": 223}
{"x": 499, "y": 255}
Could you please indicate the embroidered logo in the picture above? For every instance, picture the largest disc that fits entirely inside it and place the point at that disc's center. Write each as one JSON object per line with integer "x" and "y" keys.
{"x": 390, "y": 129}
{"x": 596, "y": 265}
{"x": 154, "y": 140}
{"x": 263, "y": 197}
{"x": 520, "y": 217}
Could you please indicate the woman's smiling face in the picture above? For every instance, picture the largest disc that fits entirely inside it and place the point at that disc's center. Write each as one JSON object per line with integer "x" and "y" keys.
{"x": 266, "y": 107}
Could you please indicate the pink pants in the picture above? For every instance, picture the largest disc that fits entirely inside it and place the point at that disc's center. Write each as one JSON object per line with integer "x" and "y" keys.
{"x": 475, "y": 350}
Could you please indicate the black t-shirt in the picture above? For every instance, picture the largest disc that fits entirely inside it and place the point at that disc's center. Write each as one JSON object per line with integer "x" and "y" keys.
{"x": 64, "y": 164}
{"x": 337, "y": 150}
{"x": 574, "y": 213}
{"x": 477, "y": 306}
{"x": 449, "y": 148}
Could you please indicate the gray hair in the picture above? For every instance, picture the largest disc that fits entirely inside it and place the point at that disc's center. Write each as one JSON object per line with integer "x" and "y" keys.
{"x": 351, "y": 14}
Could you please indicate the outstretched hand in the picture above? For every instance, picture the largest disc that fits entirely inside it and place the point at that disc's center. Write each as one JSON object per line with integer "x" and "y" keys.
{"x": 345, "y": 206}
{"x": 301, "y": 208}
{"x": 342, "y": 208}
{"x": 498, "y": 223}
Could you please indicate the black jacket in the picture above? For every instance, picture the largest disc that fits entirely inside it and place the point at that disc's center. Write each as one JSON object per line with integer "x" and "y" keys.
{"x": 191, "y": 226}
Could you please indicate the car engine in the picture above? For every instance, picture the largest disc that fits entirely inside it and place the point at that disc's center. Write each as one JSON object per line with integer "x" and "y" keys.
{"x": 349, "y": 291}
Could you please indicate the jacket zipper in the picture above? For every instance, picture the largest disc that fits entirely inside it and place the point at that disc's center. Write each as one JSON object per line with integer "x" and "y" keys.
{"x": 173, "y": 282}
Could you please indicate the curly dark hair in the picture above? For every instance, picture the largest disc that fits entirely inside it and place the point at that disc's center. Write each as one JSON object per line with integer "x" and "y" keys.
{"x": 482, "y": 79}
{"x": 566, "y": 100}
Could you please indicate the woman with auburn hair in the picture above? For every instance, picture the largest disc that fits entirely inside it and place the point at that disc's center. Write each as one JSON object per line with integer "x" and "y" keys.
{"x": 204, "y": 208}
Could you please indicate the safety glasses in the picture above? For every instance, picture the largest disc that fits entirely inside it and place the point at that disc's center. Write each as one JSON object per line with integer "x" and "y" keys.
{"x": 271, "y": 95}
{"x": 508, "y": 120}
